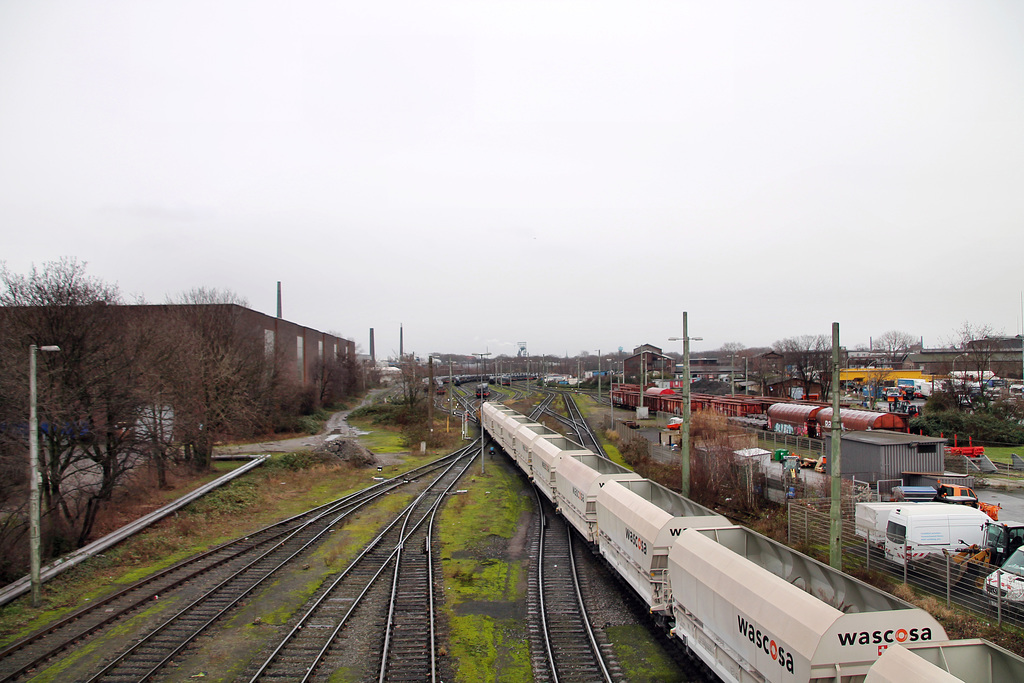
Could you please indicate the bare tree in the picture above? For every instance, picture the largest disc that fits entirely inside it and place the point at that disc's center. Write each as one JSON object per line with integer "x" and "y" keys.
{"x": 977, "y": 345}
{"x": 896, "y": 346}
{"x": 224, "y": 381}
{"x": 808, "y": 359}
{"x": 87, "y": 393}
{"x": 335, "y": 378}
{"x": 410, "y": 382}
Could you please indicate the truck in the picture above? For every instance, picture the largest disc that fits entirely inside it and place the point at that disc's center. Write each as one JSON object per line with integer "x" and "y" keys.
{"x": 916, "y": 494}
{"x": 871, "y": 520}
{"x": 963, "y": 495}
{"x": 945, "y": 493}
{"x": 1002, "y": 539}
{"x": 916, "y": 532}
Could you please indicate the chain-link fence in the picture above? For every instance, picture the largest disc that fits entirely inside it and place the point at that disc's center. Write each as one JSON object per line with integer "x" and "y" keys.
{"x": 948, "y": 577}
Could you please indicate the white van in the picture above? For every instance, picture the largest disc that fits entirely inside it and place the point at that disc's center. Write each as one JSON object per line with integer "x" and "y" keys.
{"x": 871, "y": 520}
{"x": 923, "y": 529}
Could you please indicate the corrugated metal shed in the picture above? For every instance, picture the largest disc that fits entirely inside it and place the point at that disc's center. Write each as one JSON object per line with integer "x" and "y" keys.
{"x": 874, "y": 455}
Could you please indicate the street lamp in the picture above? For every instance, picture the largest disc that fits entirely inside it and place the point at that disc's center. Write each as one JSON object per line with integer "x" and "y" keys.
{"x": 33, "y": 470}
{"x": 684, "y": 429}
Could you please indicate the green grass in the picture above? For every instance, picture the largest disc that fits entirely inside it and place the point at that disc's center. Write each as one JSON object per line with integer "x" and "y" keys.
{"x": 614, "y": 455}
{"x": 1002, "y": 453}
{"x": 484, "y": 647}
{"x": 488, "y": 651}
{"x": 378, "y": 440}
{"x": 641, "y": 658}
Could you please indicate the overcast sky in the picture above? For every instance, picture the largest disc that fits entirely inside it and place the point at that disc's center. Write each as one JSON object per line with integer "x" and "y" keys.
{"x": 465, "y": 168}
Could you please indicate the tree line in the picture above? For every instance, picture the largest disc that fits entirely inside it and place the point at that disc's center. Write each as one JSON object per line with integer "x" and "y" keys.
{"x": 129, "y": 390}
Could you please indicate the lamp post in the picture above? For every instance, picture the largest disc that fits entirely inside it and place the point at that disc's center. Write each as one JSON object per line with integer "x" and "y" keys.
{"x": 684, "y": 429}
{"x": 33, "y": 469}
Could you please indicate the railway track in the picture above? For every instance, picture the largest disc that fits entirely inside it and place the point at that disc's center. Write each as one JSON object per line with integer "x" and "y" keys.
{"x": 250, "y": 555}
{"x": 582, "y": 427}
{"x": 564, "y": 644}
{"x": 398, "y": 564}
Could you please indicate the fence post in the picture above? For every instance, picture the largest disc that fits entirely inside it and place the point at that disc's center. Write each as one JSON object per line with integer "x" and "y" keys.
{"x": 807, "y": 526}
{"x": 867, "y": 553}
{"x": 999, "y": 597}
{"x": 948, "y": 588}
{"x": 789, "y": 519}
{"x": 906, "y": 561}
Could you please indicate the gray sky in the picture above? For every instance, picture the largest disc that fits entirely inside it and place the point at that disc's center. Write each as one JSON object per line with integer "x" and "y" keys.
{"x": 459, "y": 167}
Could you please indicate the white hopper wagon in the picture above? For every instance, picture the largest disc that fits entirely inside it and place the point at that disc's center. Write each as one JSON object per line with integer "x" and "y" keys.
{"x": 500, "y": 423}
{"x": 753, "y": 609}
{"x": 637, "y": 521}
{"x": 577, "y": 481}
{"x": 546, "y": 453}
{"x": 953, "y": 661}
{"x": 516, "y": 448}
{"x": 526, "y": 434}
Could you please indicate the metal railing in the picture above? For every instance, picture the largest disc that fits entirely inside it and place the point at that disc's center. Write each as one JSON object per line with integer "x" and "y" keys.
{"x": 941, "y": 575}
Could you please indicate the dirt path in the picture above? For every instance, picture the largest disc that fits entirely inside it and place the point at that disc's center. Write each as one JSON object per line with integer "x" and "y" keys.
{"x": 336, "y": 426}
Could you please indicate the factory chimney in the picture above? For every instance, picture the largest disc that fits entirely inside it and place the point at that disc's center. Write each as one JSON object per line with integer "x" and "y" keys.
{"x": 373, "y": 354}
{"x": 278, "y": 298}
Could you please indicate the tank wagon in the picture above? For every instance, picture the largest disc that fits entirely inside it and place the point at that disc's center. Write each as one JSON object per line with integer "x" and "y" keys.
{"x": 750, "y": 608}
{"x": 783, "y": 416}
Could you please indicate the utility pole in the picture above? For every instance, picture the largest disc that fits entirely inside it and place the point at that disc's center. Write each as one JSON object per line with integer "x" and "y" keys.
{"x": 732, "y": 375}
{"x": 836, "y": 514}
{"x": 431, "y": 393}
{"x": 483, "y": 364}
{"x": 684, "y": 428}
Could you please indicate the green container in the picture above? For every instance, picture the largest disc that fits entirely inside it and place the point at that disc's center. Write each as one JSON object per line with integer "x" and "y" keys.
{"x": 780, "y": 454}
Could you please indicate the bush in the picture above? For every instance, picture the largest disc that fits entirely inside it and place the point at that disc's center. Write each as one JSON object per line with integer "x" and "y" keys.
{"x": 981, "y": 427}
{"x": 293, "y": 462}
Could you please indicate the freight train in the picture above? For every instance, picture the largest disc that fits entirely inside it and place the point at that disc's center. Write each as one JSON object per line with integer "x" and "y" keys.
{"x": 750, "y": 608}
{"x": 782, "y": 416}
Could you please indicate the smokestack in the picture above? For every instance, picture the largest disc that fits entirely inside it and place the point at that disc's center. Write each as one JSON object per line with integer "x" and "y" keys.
{"x": 401, "y": 342}
{"x": 373, "y": 354}
{"x": 278, "y": 298}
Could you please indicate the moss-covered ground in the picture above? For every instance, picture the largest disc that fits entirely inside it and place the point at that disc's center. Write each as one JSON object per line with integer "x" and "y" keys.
{"x": 485, "y": 579}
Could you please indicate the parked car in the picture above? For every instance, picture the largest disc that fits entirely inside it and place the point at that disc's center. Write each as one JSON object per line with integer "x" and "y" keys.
{"x": 1005, "y": 586}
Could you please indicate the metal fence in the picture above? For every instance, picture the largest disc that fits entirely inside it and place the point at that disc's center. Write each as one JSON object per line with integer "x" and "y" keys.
{"x": 774, "y": 440}
{"x": 940, "y": 575}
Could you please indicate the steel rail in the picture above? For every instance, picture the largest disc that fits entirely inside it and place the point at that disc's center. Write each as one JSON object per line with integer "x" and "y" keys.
{"x": 468, "y": 453}
{"x": 174, "y": 576}
{"x": 390, "y": 636}
{"x": 222, "y": 586}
